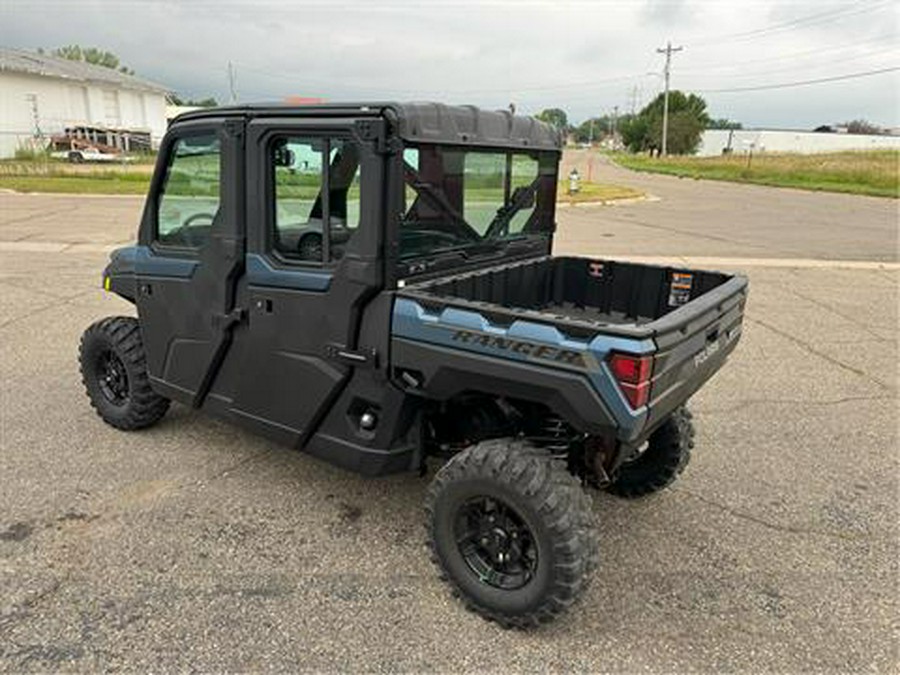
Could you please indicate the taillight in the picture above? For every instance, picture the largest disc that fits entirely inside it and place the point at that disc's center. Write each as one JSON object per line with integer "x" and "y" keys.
{"x": 632, "y": 374}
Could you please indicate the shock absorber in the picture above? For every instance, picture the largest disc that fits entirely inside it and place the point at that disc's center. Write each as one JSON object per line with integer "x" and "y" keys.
{"x": 597, "y": 452}
{"x": 554, "y": 434}
{"x": 557, "y": 435}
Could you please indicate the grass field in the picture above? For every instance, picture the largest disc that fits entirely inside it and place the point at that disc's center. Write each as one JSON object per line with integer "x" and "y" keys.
{"x": 595, "y": 192}
{"x": 60, "y": 177}
{"x": 875, "y": 172}
{"x": 94, "y": 185}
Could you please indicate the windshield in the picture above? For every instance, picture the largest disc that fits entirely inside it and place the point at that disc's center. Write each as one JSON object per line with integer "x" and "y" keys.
{"x": 469, "y": 200}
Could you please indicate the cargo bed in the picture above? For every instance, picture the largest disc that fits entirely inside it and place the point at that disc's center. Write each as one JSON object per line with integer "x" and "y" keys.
{"x": 625, "y": 298}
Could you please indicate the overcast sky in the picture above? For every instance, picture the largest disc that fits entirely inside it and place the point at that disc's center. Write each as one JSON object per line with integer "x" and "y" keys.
{"x": 585, "y": 57}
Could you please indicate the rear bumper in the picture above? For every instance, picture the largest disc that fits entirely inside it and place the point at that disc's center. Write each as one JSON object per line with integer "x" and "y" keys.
{"x": 688, "y": 357}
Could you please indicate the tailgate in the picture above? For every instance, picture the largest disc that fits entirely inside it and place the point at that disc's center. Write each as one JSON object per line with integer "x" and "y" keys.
{"x": 693, "y": 342}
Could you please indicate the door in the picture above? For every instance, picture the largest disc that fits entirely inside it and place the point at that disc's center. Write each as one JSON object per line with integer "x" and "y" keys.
{"x": 190, "y": 256}
{"x": 311, "y": 266}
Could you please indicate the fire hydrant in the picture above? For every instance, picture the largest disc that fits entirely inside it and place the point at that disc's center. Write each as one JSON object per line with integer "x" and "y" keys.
{"x": 574, "y": 181}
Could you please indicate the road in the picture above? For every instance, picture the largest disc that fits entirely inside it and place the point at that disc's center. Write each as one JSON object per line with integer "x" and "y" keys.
{"x": 713, "y": 218}
{"x": 194, "y": 545}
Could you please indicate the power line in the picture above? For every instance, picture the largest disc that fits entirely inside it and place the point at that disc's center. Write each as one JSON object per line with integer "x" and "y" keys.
{"x": 801, "y": 83}
{"x": 813, "y": 19}
{"x": 531, "y": 88}
{"x": 870, "y": 60}
{"x": 788, "y": 58}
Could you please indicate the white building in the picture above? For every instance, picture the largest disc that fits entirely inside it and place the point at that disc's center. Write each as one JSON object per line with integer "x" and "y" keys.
{"x": 714, "y": 141}
{"x": 42, "y": 95}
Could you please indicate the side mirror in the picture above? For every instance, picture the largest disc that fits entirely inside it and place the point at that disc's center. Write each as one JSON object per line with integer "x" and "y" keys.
{"x": 284, "y": 156}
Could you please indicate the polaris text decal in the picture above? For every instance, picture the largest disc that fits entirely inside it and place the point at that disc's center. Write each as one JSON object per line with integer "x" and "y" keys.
{"x": 713, "y": 347}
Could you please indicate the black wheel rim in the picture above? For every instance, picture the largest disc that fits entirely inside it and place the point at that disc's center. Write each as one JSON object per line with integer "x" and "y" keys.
{"x": 496, "y": 543}
{"x": 112, "y": 378}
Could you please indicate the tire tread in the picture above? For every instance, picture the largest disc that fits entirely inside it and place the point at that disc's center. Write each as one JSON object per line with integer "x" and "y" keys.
{"x": 123, "y": 335}
{"x": 665, "y": 459}
{"x": 554, "y": 494}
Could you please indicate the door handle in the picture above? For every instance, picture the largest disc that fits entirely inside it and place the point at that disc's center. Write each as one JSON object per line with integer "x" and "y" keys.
{"x": 225, "y": 321}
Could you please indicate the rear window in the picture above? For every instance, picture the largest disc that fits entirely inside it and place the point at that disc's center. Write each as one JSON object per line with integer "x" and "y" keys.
{"x": 467, "y": 198}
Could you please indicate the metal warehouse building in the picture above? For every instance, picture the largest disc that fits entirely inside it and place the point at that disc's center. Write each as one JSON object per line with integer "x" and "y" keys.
{"x": 42, "y": 95}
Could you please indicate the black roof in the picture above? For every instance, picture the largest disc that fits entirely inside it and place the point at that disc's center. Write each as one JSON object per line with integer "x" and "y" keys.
{"x": 417, "y": 122}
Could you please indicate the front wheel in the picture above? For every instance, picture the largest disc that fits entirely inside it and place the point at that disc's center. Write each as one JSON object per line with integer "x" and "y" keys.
{"x": 114, "y": 372}
{"x": 511, "y": 531}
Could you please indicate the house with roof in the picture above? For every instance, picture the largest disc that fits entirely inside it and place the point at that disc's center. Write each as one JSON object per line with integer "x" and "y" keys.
{"x": 42, "y": 96}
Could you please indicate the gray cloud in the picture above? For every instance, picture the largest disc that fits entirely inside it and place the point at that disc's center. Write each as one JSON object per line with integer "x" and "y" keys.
{"x": 669, "y": 13}
{"x": 583, "y": 56}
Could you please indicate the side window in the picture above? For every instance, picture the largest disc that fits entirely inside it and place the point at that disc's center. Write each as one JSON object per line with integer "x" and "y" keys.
{"x": 483, "y": 185}
{"x": 411, "y": 159}
{"x": 189, "y": 200}
{"x": 343, "y": 194}
{"x": 298, "y": 202}
{"x": 524, "y": 172}
{"x": 305, "y": 213}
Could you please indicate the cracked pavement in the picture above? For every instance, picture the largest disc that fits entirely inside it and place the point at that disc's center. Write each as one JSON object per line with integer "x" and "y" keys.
{"x": 194, "y": 545}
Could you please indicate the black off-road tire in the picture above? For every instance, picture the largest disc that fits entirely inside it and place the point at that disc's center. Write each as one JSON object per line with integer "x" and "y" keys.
{"x": 549, "y": 502}
{"x": 131, "y": 404}
{"x": 667, "y": 455}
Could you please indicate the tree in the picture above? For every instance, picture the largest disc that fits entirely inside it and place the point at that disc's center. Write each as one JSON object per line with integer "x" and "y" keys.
{"x": 596, "y": 128}
{"x": 862, "y": 127}
{"x": 589, "y": 130}
{"x": 687, "y": 120}
{"x": 554, "y": 116}
{"x": 208, "y": 102}
{"x": 723, "y": 123}
{"x": 91, "y": 55}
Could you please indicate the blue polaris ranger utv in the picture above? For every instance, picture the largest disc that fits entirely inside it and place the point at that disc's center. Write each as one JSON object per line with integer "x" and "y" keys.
{"x": 373, "y": 284}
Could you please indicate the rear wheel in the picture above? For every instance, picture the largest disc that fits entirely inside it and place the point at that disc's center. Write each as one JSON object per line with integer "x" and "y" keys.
{"x": 665, "y": 456}
{"x": 114, "y": 372}
{"x": 511, "y": 531}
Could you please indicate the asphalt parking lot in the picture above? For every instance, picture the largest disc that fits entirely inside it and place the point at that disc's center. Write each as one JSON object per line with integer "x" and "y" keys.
{"x": 195, "y": 546}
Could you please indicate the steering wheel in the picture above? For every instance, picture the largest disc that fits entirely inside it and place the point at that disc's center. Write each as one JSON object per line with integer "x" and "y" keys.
{"x": 310, "y": 247}
{"x": 197, "y": 216}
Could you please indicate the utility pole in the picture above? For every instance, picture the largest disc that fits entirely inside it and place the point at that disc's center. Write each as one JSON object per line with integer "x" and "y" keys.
{"x": 634, "y": 95}
{"x": 231, "y": 83}
{"x": 615, "y": 122}
{"x": 665, "y": 129}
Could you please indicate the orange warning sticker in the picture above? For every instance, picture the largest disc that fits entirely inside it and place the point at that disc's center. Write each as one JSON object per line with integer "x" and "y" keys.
{"x": 680, "y": 288}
